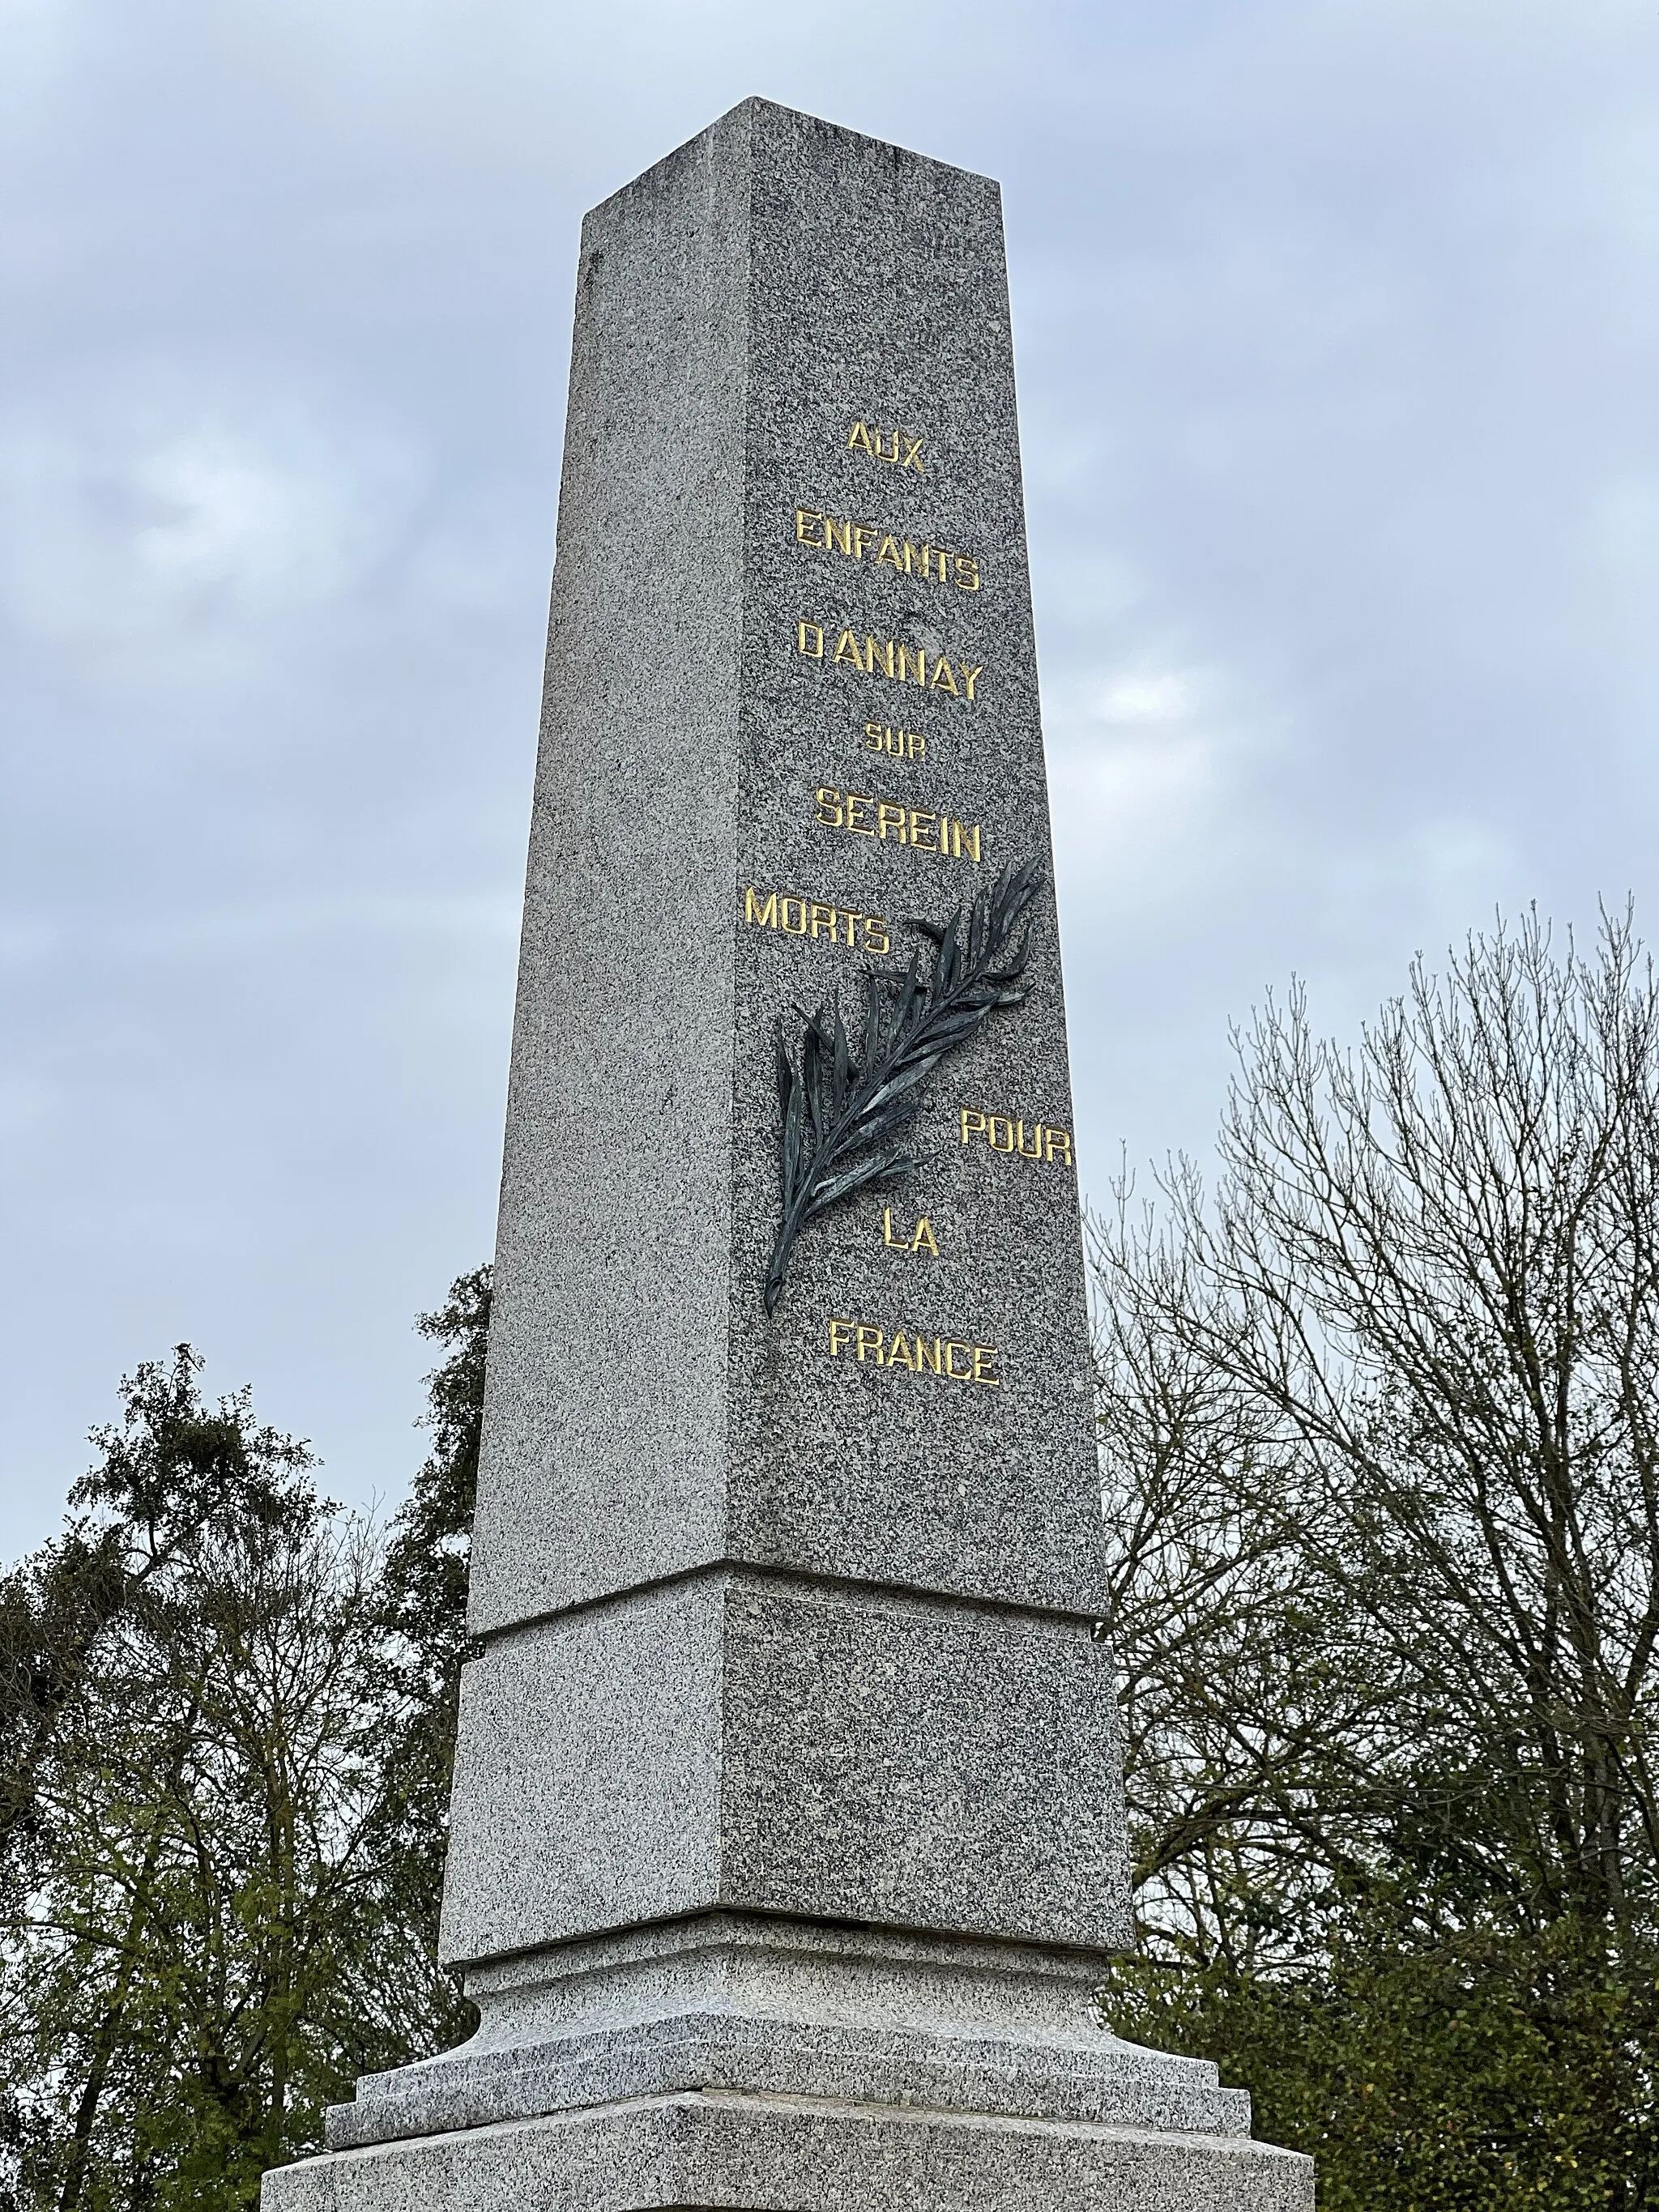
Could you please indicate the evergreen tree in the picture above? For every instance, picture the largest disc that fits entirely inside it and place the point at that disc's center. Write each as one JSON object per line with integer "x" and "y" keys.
{"x": 423, "y": 1611}
{"x": 226, "y": 1719}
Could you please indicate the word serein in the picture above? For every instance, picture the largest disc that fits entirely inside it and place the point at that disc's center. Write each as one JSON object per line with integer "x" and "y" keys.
{"x": 801, "y": 917}
{"x": 921, "y": 1239}
{"x": 903, "y": 744}
{"x": 1052, "y": 1145}
{"x": 901, "y": 448}
{"x": 884, "y": 818}
{"x": 826, "y": 535}
{"x": 888, "y": 657}
{"x": 915, "y": 1354}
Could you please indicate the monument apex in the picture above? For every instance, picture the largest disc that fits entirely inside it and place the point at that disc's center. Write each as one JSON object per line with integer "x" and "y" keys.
{"x": 788, "y": 1842}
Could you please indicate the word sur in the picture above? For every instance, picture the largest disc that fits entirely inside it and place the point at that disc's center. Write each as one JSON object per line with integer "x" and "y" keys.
{"x": 903, "y": 744}
{"x": 884, "y": 818}
{"x": 1053, "y": 1147}
{"x": 826, "y": 535}
{"x": 915, "y": 1354}
{"x": 921, "y": 1239}
{"x": 903, "y": 664}
{"x": 899, "y": 447}
{"x": 802, "y": 917}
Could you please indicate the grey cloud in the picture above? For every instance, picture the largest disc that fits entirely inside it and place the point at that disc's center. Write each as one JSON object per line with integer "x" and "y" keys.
{"x": 1337, "y": 337}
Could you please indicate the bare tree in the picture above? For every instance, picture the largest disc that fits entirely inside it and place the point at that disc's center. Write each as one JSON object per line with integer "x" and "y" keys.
{"x": 1380, "y": 1423}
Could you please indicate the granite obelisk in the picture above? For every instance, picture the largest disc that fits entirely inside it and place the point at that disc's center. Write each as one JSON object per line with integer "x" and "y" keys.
{"x": 787, "y": 1841}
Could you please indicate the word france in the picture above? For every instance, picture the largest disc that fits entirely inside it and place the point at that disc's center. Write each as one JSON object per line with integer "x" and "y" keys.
{"x": 915, "y": 1354}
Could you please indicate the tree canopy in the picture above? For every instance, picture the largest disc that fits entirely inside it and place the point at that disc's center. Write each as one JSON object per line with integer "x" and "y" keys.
{"x": 1380, "y": 1430}
{"x": 225, "y": 1714}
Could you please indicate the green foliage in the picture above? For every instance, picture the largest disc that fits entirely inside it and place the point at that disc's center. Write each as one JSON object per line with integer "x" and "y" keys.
{"x": 225, "y": 1715}
{"x": 422, "y": 1609}
{"x": 1482, "y": 2074}
{"x": 1380, "y": 1433}
{"x": 166, "y": 1471}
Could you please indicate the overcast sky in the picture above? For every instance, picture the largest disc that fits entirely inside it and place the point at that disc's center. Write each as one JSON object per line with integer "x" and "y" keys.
{"x": 1338, "y": 333}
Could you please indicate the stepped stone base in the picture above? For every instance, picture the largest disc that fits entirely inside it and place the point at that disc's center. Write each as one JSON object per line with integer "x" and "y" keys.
{"x": 790, "y": 2066}
{"x": 726, "y": 2149}
{"x": 793, "y": 1675}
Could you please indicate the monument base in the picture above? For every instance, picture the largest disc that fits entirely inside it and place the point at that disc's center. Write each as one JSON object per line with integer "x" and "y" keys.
{"x": 738, "y": 2061}
{"x": 728, "y": 2149}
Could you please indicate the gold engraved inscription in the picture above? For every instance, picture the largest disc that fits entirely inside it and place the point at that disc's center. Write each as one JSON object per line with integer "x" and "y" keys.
{"x": 896, "y": 446}
{"x": 1004, "y": 1134}
{"x": 920, "y": 1238}
{"x": 794, "y": 917}
{"x": 903, "y": 745}
{"x": 937, "y": 563}
{"x": 888, "y": 657}
{"x": 921, "y": 828}
{"x": 950, "y": 1358}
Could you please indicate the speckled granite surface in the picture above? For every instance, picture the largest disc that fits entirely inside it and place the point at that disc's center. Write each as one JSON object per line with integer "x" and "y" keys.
{"x": 787, "y": 1828}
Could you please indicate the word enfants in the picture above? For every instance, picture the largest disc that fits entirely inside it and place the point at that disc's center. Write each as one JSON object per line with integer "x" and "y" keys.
{"x": 890, "y": 656}
{"x": 921, "y": 828}
{"x": 950, "y": 1358}
{"x": 824, "y": 534}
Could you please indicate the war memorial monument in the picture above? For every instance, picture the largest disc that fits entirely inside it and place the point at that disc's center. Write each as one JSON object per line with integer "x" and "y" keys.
{"x": 787, "y": 1845}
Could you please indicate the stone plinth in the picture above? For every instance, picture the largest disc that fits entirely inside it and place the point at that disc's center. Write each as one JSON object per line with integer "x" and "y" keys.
{"x": 788, "y": 1842}
{"x": 732, "y": 2060}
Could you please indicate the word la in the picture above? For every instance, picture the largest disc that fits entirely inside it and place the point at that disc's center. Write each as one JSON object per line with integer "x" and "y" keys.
{"x": 896, "y": 446}
{"x": 950, "y": 1358}
{"x": 1054, "y": 1147}
{"x": 920, "y": 1238}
